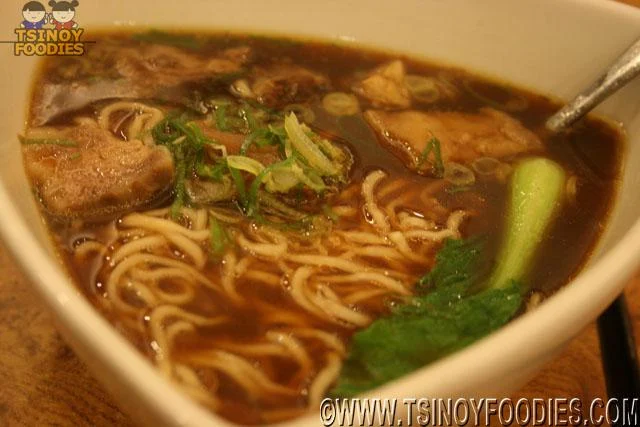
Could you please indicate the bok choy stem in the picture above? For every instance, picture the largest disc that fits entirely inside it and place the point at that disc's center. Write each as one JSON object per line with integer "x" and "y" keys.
{"x": 536, "y": 188}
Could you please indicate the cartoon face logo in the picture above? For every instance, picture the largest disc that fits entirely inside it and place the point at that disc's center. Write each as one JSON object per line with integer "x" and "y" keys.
{"x": 34, "y": 15}
{"x": 53, "y": 33}
{"x": 63, "y": 16}
{"x": 63, "y": 13}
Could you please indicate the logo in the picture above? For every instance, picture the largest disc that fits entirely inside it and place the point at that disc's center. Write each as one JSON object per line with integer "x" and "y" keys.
{"x": 54, "y": 33}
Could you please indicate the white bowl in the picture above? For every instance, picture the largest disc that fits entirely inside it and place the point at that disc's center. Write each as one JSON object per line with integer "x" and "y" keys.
{"x": 553, "y": 46}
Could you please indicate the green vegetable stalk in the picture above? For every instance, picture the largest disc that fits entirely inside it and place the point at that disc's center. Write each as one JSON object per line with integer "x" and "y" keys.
{"x": 536, "y": 189}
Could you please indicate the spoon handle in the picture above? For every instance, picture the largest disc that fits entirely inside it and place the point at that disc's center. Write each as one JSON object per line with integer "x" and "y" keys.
{"x": 624, "y": 69}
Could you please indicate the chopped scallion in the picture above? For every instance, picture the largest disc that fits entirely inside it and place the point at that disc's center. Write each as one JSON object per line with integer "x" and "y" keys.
{"x": 238, "y": 180}
{"x": 433, "y": 146}
{"x": 35, "y": 141}
{"x": 179, "y": 189}
{"x": 221, "y": 118}
{"x": 219, "y": 238}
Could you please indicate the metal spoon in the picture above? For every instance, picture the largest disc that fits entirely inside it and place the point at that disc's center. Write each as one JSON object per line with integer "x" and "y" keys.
{"x": 615, "y": 331}
{"x": 623, "y": 70}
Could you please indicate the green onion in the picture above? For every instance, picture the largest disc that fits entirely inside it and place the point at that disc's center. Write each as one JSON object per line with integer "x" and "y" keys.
{"x": 186, "y": 142}
{"x": 274, "y": 205}
{"x": 164, "y": 132}
{"x": 219, "y": 101}
{"x": 306, "y": 114}
{"x": 285, "y": 176}
{"x": 326, "y": 209}
{"x": 246, "y": 164}
{"x": 169, "y": 39}
{"x": 229, "y": 117}
{"x": 60, "y": 142}
{"x": 458, "y": 174}
{"x": 306, "y": 147}
{"x": 281, "y": 180}
{"x": 486, "y": 165}
{"x": 221, "y": 118}
{"x": 252, "y": 200}
{"x": 238, "y": 180}
{"x": 433, "y": 146}
{"x": 206, "y": 192}
{"x": 457, "y": 189}
{"x": 252, "y": 124}
{"x": 423, "y": 89}
{"x": 179, "y": 189}
{"x": 263, "y": 137}
{"x": 219, "y": 237}
{"x": 212, "y": 172}
{"x": 340, "y": 104}
{"x": 248, "y": 142}
{"x": 309, "y": 178}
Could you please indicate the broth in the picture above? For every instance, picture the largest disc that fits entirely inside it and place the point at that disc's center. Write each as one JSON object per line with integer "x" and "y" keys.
{"x": 251, "y": 308}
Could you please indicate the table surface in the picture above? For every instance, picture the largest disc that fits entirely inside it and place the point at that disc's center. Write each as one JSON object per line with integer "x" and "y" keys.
{"x": 42, "y": 382}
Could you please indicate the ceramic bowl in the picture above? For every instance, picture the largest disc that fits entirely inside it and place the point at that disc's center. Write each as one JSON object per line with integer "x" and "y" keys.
{"x": 555, "y": 47}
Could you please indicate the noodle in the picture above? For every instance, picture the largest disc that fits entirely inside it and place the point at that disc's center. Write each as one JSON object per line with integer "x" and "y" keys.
{"x": 137, "y": 245}
{"x": 326, "y": 261}
{"x": 338, "y": 311}
{"x": 293, "y": 346}
{"x": 326, "y": 338}
{"x": 362, "y": 237}
{"x": 144, "y": 119}
{"x": 298, "y": 282}
{"x": 164, "y": 337}
{"x": 191, "y": 384}
{"x": 228, "y": 276}
{"x": 251, "y": 379}
{"x": 243, "y": 245}
{"x": 378, "y": 217}
{"x": 264, "y": 250}
{"x": 403, "y": 247}
{"x": 365, "y": 294}
{"x": 134, "y": 260}
{"x": 324, "y": 379}
{"x": 330, "y": 278}
{"x": 163, "y": 226}
{"x": 263, "y": 277}
{"x": 372, "y": 277}
{"x": 88, "y": 246}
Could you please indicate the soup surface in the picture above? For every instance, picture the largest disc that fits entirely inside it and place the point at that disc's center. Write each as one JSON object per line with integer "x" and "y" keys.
{"x": 271, "y": 221}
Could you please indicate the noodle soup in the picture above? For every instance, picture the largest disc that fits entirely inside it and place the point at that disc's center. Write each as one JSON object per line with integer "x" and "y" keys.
{"x": 268, "y": 220}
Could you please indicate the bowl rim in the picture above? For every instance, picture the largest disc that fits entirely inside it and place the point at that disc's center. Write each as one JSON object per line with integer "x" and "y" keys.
{"x": 581, "y": 295}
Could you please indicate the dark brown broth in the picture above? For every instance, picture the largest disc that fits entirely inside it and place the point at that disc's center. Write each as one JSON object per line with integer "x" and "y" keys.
{"x": 591, "y": 151}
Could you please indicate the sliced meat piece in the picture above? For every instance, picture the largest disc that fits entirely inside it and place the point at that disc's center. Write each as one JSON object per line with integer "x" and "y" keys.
{"x": 283, "y": 84}
{"x": 385, "y": 86}
{"x": 142, "y": 72}
{"x": 463, "y": 136}
{"x": 265, "y": 155}
{"x": 232, "y": 141}
{"x": 238, "y": 55}
{"x": 99, "y": 177}
{"x": 57, "y": 98}
{"x": 158, "y": 65}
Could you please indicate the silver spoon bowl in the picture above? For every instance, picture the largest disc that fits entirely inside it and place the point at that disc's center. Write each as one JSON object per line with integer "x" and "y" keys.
{"x": 622, "y": 71}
